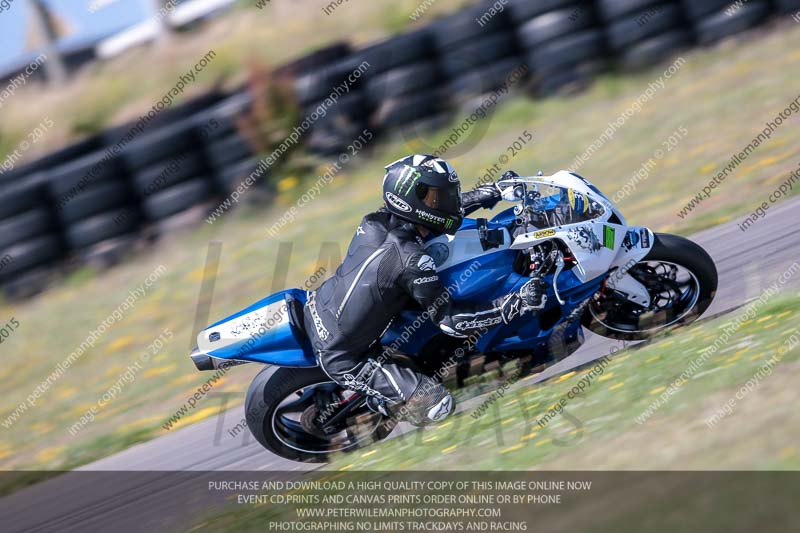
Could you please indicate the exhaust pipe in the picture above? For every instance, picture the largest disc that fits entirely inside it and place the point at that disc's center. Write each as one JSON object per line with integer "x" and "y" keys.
{"x": 203, "y": 361}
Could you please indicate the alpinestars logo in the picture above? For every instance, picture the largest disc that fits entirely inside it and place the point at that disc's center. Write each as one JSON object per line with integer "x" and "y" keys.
{"x": 442, "y": 409}
{"x": 322, "y": 331}
{"x": 426, "y": 263}
{"x": 397, "y": 202}
{"x": 513, "y": 310}
{"x": 428, "y": 279}
{"x": 430, "y": 217}
{"x": 477, "y": 324}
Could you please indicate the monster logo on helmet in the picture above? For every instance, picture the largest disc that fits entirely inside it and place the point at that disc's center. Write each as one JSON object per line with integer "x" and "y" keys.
{"x": 430, "y": 186}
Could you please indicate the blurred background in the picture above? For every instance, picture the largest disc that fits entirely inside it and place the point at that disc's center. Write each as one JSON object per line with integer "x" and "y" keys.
{"x": 135, "y": 133}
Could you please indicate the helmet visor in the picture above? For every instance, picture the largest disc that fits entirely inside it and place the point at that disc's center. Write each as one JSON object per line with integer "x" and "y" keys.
{"x": 447, "y": 200}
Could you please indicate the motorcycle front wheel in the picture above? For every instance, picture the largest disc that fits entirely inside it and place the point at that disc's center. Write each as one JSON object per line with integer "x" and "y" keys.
{"x": 681, "y": 279}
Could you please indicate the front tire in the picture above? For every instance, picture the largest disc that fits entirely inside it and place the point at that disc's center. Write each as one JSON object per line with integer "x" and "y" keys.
{"x": 682, "y": 280}
{"x": 278, "y": 398}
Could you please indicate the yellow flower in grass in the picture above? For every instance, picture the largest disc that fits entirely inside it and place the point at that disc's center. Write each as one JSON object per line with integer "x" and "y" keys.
{"x": 511, "y": 449}
{"x": 144, "y": 422}
{"x": 186, "y": 378}
{"x": 114, "y": 371}
{"x": 734, "y": 357}
{"x": 157, "y": 371}
{"x": 81, "y": 409}
{"x": 767, "y": 161}
{"x": 708, "y": 167}
{"x": 221, "y": 381}
{"x": 565, "y": 377}
{"x": 42, "y": 427}
{"x": 48, "y": 454}
{"x": 120, "y": 343}
{"x": 287, "y": 183}
{"x": 202, "y": 414}
{"x": 66, "y": 393}
{"x": 5, "y": 450}
{"x": 196, "y": 274}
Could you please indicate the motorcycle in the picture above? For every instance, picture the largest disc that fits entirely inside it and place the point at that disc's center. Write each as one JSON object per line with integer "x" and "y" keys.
{"x": 618, "y": 281}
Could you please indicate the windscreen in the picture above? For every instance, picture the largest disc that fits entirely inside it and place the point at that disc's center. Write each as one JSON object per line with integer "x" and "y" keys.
{"x": 558, "y": 206}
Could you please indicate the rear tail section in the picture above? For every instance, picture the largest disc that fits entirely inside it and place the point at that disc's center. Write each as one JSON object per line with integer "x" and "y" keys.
{"x": 270, "y": 331}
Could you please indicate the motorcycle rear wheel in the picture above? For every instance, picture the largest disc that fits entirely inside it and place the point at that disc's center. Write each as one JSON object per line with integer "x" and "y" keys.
{"x": 278, "y": 399}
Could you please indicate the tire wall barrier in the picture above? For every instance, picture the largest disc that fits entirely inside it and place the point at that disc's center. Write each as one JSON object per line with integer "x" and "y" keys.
{"x": 94, "y": 194}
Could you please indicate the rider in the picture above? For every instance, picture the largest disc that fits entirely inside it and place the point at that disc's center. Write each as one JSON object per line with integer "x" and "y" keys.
{"x": 386, "y": 266}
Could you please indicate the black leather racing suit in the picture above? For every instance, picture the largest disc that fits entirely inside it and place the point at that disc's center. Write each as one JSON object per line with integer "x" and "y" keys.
{"x": 385, "y": 267}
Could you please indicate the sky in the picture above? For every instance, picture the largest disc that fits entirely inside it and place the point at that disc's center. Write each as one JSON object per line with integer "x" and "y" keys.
{"x": 111, "y": 16}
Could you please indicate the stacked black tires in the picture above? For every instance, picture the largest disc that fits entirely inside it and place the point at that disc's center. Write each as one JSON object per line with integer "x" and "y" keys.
{"x": 331, "y": 100}
{"x": 477, "y": 49}
{"x": 713, "y": 20}
{"x": 402, "y": 80}
{"x": 563, "y": 42}
{"x": 230, "y": 155}
{"x": 168, "y": 172}
{"x": 642, "y": 33}
{"x": 788, "y": 6}
{"x": 29, "y": 236}
{"x": 92, "y": 200}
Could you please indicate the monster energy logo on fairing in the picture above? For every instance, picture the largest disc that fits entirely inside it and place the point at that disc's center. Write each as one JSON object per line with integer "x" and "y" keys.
{"x": 407, "y": 173}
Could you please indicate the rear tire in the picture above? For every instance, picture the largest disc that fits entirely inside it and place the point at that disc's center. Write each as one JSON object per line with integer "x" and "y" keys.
{"x": 669, "y": 249}
{"x": 269, "y": 389}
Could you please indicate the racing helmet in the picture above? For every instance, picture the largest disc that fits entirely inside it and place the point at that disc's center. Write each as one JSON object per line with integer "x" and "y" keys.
{"x": 425, "y": 190}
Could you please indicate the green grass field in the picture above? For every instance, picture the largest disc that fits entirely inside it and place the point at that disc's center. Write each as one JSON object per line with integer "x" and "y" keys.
{"x": 721, "y": 96}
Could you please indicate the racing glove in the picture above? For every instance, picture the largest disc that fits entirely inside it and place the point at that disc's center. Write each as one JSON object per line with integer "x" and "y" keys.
{"x": 532, "y": 294}
{"x": 483, "y": 196}
{"x": 530, "y": 298}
